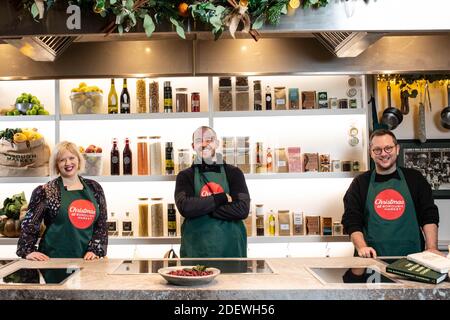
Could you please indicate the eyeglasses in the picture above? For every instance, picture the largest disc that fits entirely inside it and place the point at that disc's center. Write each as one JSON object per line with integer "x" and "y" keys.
{"x": 387, "y": 149}
{"x": 206, "y": 139}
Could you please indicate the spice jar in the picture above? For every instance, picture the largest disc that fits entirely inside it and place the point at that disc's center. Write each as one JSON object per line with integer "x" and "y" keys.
{"x": 143, "y": 217}
{"x": 225, "y": 97}
{"x": 181, "y": 100}
{"x": 157, "y": 216}
{"x": 155, "y": 155}
{"x": 141, "y": 100}
{"x": 153, "y": 101}
{"x": 142, "y": 152}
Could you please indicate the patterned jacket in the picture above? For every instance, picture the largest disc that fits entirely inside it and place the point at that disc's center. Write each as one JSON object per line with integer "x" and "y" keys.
{"x": 44, "y": 205}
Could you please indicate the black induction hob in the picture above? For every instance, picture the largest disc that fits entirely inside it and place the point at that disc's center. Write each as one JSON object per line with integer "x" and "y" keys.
{"x": 351, "y": 275}
{"x": 40, "y": 276}
{"x": 225, "y": 266}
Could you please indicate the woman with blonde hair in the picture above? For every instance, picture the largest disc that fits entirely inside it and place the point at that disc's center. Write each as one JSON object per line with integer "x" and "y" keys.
{"x": 73, "y": 210}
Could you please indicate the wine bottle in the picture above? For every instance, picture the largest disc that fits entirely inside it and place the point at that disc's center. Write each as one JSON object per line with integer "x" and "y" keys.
{"x": 125, "y": 99}
{"x": 112, "y": 99}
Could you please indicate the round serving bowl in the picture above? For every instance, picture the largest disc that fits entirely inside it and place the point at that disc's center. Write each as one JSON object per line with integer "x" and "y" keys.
{"x": 23, "y": 107}
{"x": 187, "y": 280}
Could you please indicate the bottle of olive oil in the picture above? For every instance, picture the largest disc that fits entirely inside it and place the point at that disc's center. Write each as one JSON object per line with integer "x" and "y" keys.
{"x": 113, "y": 106}
{"x": 271, "y": 224}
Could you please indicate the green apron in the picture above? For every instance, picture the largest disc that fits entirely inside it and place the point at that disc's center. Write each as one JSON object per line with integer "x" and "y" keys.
{"x": 69, "y": 235}
{"x": 208, "y": 237}
{"x": 391, "y": 226}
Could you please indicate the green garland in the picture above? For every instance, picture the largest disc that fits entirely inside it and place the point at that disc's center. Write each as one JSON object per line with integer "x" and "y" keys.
{"x": 409, "y": 82}
{"x": 151, "y": 13}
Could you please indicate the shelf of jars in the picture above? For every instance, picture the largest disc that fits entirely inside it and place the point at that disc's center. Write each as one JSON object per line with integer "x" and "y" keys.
{"x": 134, "y": 116}
{"x": 288, "y": 113}
{"x": 177, "y": 240}
{"x": 249, "y": 176}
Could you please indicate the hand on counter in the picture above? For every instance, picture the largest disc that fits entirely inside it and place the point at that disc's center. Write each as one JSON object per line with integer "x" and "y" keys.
{"x": 437, "y": 252}
{"x": 90, "y": 256}
{"x": 367, "y": 252}
{"x": 37, "y": 256}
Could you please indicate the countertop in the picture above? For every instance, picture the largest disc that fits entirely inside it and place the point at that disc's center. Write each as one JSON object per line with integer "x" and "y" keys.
{"x": 291, "y": 280}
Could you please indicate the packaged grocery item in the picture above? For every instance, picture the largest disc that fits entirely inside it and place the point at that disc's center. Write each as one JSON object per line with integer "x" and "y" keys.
{"x": 311, "y": 162}
{"x": 309, "y": 100}
{"x": 294, "y": 159}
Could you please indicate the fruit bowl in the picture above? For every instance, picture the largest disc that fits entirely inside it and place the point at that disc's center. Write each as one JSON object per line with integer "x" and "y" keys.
{"x": 187, "y": 280}
{"x": 86, "y": 102}
{"x": 23, "y": 107}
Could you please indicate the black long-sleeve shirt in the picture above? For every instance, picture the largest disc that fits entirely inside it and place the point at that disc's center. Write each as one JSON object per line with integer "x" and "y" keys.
{"x": 356, "y": 195}
{"x": 190, "y": 206}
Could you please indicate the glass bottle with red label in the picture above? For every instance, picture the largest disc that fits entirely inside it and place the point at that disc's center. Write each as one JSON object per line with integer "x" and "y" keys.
{"x": 127, "y": 158}
{"x": 115, "y": 159}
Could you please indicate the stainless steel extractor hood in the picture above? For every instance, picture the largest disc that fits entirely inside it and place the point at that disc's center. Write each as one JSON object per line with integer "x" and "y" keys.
{"x": 43, "y": 48}
{"x": 347, "y": 44}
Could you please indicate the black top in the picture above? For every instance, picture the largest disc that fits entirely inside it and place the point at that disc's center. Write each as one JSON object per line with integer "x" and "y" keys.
{"x": 356, "y": 195}
{"x": 191, "y": 206}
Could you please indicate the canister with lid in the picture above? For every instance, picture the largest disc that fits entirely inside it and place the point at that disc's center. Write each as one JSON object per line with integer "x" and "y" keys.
{"x": 157, "y": 217}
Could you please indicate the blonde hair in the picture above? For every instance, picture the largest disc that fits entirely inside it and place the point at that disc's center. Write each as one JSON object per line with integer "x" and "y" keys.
{"x": 58, "y": 150}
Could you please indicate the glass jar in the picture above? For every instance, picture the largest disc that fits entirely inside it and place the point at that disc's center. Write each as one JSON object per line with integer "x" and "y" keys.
{"x": 242, "y": 94}
{"x": 141, "y": 100}
{"x": 257, "y": 96}
{"x": 153, "y": 100}
{"x": 225, "y": 96}
{"x": 259, "y": 220}
{"x": 157, "y": 217}
{"x": 337, "y": 228}
{"x": 184, "y": 159}
{"x": 155, "y": 155}
{"x": 181, "y": 100}
{"x": 143, "y": 217}
{"x": 142, "y": 153}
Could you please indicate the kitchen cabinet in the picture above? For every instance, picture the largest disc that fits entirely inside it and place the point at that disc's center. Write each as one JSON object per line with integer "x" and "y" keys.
{"x": 313, "y": 130}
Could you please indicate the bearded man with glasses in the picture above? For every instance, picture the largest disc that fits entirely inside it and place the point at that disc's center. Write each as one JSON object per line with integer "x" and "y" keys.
{"x": 390, "y": 211}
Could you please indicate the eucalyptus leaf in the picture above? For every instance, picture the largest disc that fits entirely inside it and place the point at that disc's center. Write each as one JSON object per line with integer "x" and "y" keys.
{"x": 129, "y": 4}
{"x": 284, "y": 9}
{"x": 216, "y": 22}
{"x": 149, "y": 26}
{"x": 120, "y": 28}
{"x": 219, "y": 10}
{"x": 179, "y": 28}
{"x": 259, "y": 22}
{"x": 133, "y": 18}
{"x": 112, "y": 2}
{"x": 34, "y": 10}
